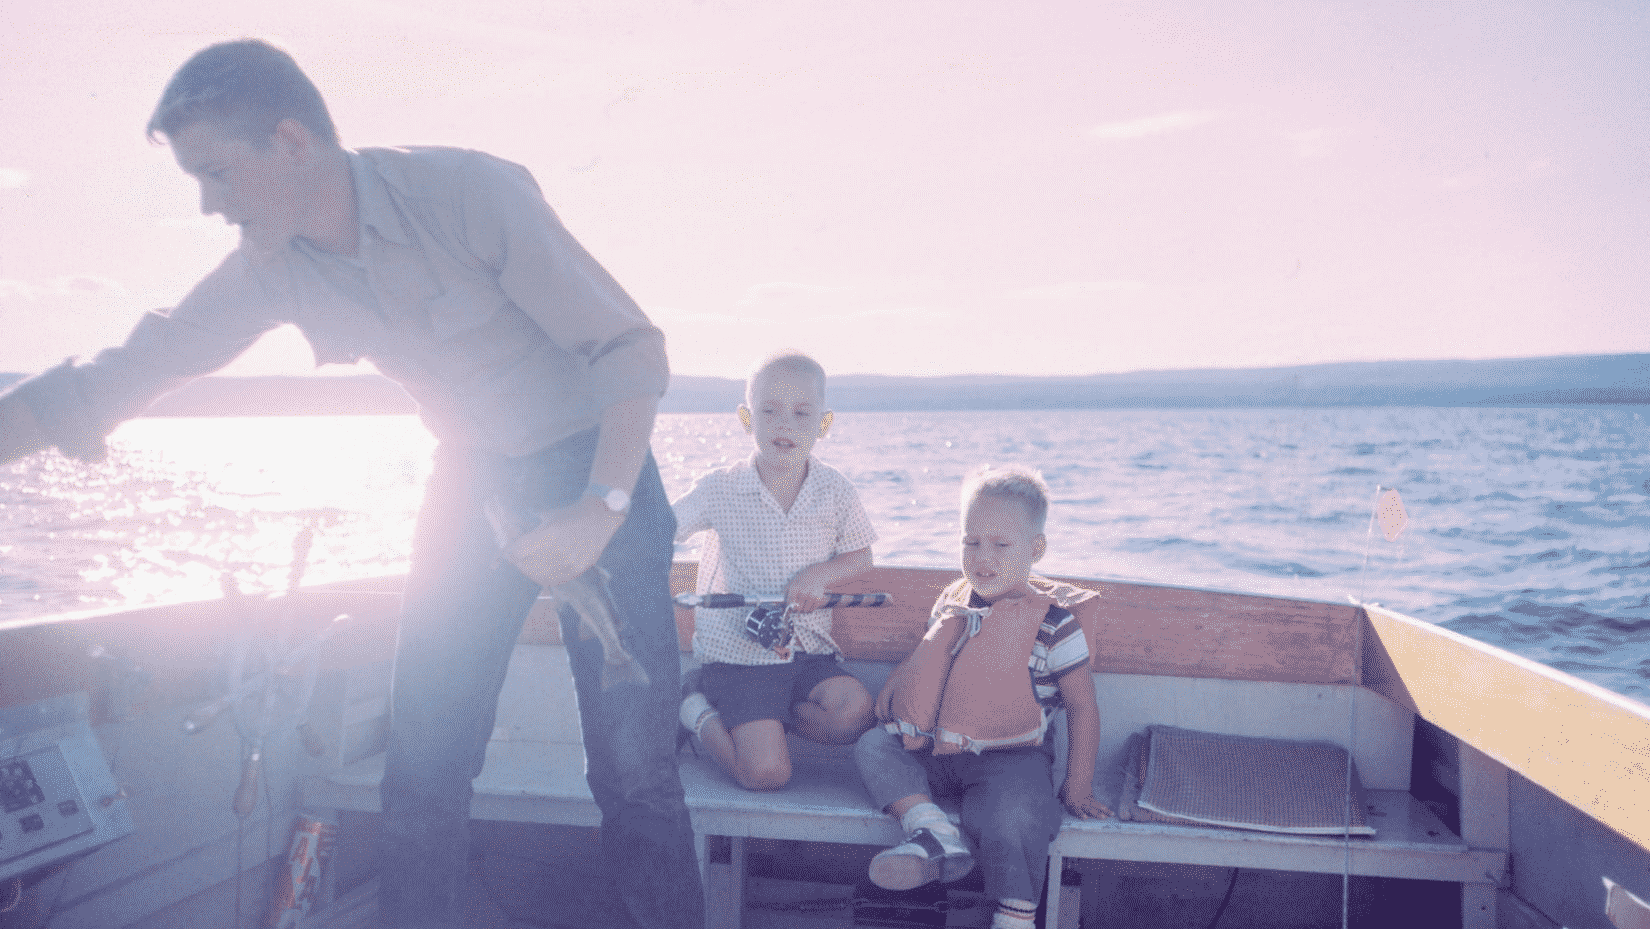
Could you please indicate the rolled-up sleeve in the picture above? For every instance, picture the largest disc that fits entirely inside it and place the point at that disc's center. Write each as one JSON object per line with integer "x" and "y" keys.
{"x": 78, "y": 403}
{"x": 549, "y": 275}
{"x": 856, "y": 531}
{"x": 693, "y": 511}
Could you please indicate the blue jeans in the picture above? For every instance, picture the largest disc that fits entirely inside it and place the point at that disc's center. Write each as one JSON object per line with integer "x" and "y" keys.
{"x": 1010, "y": 811}
{"x": 464, "y": 607}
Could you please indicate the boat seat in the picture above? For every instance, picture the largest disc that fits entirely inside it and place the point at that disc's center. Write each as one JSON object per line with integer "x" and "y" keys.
{"x": 535, "y": 773}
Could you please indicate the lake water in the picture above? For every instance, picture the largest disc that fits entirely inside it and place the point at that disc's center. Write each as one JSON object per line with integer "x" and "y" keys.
{"x": 1528, "y": 528}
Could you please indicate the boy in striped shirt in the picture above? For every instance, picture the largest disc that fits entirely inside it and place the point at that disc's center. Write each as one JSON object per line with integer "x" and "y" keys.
{"x": 966, "y": 714}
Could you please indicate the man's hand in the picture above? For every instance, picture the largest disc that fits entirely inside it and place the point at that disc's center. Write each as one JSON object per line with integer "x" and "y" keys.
{"x": 566, "y": 543}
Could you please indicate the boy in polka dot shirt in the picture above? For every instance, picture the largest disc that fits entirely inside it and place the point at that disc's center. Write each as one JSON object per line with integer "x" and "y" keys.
{"x": 783, "y": 525}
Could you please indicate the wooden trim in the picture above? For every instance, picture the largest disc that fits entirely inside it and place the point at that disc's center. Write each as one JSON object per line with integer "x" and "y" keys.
{"x": 1142, "y": 629}
{"x": 1139, "y": 628}
{"x": 1183, "y": 632}
{"x": 1583, "y": 743}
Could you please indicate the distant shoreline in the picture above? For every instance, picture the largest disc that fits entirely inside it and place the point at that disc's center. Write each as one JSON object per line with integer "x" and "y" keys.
{"x": 1548, "y": 381}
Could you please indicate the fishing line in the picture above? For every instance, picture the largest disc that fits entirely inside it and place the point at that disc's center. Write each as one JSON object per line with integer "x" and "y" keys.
{"x": 1352, "y": 694}
{"x": 1352, "y": 721}
{"x": 1369, "y": 540}
{"x": 1388, "y": 511}
{"x": 1346, "y": 806}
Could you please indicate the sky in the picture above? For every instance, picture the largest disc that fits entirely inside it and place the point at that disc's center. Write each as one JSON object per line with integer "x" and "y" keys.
{"x": 919, "y": 187}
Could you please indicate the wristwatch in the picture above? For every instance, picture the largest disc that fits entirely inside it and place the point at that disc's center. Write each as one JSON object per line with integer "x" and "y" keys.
{"x": 617, "y": 501}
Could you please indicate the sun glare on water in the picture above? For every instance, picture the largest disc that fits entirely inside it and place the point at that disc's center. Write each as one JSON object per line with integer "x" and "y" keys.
{"x": 186, "y": 508}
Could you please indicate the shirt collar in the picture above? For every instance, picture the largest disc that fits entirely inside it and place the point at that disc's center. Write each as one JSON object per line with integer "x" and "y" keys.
{"x": 750, "y": 481}
{"x": 374, "y": 208}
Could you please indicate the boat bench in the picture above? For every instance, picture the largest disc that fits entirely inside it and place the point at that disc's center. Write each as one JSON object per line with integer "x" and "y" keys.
{"x": 1195, "y": 659}
{"x": 535, "y": 774}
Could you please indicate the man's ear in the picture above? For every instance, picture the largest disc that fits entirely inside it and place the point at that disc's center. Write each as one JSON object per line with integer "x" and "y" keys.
{"x": 825, "y": 423}
{"x": 293, "y": 137}
{"x": 745, "y": 416}
{"x": 1039, "y": 548}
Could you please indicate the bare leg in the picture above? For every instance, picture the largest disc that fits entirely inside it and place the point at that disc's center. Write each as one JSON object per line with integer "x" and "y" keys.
{"x": 754, "y": 754}
{"x": 837, "y": 711}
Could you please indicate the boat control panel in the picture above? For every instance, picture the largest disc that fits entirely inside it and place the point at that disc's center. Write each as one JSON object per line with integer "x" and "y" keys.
{"x": 57, "y": 796}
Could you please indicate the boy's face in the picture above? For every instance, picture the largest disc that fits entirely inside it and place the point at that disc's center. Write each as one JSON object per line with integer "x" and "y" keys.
{"x": 999, "y": 546}
{"x": 785, "y": 416}
{"x": 255, "y": 188}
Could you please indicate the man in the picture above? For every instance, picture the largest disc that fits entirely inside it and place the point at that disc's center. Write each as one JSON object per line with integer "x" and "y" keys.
{"x": 539, "y": 376}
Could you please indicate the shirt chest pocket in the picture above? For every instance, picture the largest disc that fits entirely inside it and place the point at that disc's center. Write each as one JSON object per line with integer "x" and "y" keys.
{"x": 427, "y": 285}
{"x": 463, "y": 306}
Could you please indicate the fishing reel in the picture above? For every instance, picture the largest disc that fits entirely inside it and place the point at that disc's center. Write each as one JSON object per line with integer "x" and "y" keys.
{"x": 767, "y": 625}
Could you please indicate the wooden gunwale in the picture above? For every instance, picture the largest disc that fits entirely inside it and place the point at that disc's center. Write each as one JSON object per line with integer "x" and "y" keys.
{"x": 1586, "y": 745}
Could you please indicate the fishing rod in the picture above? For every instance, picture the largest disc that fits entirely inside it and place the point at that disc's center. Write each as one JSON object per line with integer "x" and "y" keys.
{"x": 733, "y": 601}
{"x": 246, "y": 795}
{"x": 769, "y": 621}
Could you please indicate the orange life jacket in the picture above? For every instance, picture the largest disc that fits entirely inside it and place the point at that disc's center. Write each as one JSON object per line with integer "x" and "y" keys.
{"x": 968, "y": 684}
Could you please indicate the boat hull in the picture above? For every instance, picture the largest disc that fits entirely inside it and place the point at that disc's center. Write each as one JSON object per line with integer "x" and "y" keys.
{"x": 1573, "y": 757}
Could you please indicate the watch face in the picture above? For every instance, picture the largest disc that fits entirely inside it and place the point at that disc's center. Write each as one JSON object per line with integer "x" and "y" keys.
{"x": 615, "y": 499}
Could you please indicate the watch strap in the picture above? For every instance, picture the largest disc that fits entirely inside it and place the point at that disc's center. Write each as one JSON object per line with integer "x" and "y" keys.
{"x": 615, "y": 499}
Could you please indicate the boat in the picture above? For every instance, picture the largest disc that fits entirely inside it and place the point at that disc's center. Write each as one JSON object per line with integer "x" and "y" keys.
{"x": 193, "y": 734}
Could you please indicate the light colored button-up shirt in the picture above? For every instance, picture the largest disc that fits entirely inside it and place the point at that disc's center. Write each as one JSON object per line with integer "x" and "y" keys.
{"x": 466, "y": 289}
{"x": 754, "y": 547}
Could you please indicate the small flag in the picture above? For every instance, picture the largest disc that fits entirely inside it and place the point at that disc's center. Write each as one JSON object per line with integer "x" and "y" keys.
{"x": 1389, "y": 512}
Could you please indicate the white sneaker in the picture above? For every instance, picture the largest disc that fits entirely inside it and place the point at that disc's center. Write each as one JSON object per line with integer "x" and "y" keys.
{"x": 925, "y": 855}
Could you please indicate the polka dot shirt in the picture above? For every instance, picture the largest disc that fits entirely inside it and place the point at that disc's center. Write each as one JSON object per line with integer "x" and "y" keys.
{"x": 754, "y": 547}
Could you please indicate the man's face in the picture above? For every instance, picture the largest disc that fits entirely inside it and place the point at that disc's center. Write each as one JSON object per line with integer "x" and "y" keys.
{"x": 255, "y": 188}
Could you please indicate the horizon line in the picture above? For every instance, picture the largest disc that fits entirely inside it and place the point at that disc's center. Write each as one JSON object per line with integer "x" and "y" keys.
{"x": 320, "y": 373}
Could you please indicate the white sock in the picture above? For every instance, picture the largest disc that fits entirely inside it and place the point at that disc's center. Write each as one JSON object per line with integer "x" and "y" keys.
{"x": 696, "y": 710}
{"x": 1014, "y": 914}
{"x": 927, "y": 816}
{"x": 931, "y": 817}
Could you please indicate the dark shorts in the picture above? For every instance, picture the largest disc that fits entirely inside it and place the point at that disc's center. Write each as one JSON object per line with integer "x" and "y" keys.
{"x": 746, "y": 693}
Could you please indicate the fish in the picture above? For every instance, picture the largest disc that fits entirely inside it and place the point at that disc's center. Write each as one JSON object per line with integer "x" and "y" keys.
{"x": 591, "y": 598}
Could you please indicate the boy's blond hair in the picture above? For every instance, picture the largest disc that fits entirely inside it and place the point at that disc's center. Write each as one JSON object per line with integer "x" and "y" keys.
{"x": 1009, "y": 483}
{"x": 790, "y": 362}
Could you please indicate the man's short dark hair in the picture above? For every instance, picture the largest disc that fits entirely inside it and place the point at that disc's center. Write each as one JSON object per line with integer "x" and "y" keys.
{"x": 247, "y": 87}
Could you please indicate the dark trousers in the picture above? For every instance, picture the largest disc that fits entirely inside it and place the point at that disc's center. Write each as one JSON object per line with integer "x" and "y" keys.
{"x": 1010, "y": 812}
{"x": 464, "y": 608}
